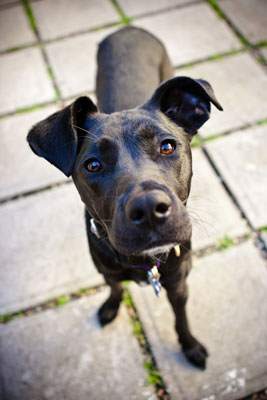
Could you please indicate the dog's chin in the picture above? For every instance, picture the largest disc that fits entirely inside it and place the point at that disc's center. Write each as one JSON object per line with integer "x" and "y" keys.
{"x": 154, "y": 251}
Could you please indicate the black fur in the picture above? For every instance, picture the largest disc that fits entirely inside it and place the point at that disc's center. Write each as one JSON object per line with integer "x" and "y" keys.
{"x": 138, "y": 196}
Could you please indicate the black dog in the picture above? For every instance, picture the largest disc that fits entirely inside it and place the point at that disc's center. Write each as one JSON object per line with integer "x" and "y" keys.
{"x": 132, "y": 168}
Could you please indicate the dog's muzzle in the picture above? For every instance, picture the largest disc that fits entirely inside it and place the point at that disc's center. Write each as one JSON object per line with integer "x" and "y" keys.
{"x": 149, "y": 217}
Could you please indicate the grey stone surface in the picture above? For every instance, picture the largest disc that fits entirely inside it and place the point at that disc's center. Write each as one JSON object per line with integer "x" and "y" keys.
{"x": 24, "y": 80}
{"x": 249, "y": 16}
{"x": 63, "y": 17}
{"x": 72, "y": 99}
{"x": 240, "y": 85}
{"x": 74, "y": 62}
{"x": 264, "y": 53}
{"x": 242, "y": 160}
{"x": 8, "y": 2}
{"x": 190, "y": 40}
{"x": 64, "y": 354}
{"x": 14, "y": 28}
{"x": 227, "y": 312}
{"x": 264, "y": 238}
{"x": 43, "y": 249}
{"x": 20, "y": 169}
{"x": 212, "y": 211}
{"x": 139, "y": 7}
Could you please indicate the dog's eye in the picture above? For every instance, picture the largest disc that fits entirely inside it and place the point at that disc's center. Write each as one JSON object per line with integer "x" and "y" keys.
{"x": 93, "y": 165}
{"x": 167, "y": 147}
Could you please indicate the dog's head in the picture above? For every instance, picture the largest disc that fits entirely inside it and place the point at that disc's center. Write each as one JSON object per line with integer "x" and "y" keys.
{"x": 132, "y": 168}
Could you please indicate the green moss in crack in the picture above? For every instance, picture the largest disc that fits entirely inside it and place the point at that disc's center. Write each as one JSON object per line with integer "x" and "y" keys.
{"x": 224, "y": 243}
{"x": 30, "y": 15}
{"x": 124, "y": 19}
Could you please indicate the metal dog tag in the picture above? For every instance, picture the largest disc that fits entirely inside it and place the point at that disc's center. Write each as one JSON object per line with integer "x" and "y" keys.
{"x": 93, "y": 228}
{"x": 153, "y": 277}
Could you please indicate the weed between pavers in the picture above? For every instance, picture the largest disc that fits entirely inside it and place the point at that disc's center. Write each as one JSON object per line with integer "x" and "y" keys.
{"x": 216, "y": 7}
{"x": 262, "y": 44}
{"x": 154, "y": 375}
{"x": 198, "y": 141}
{"x": 30, "y": 15}
{"x": 224, "y": 243}
{"x": 262, "y": 122}
{"x": 31, "y": 108}
{"x": 59, "y": 301}
{"x": 125, "y": 20}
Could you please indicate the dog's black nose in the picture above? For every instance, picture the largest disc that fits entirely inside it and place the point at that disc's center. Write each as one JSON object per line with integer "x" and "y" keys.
{"x": 148, "y": 207}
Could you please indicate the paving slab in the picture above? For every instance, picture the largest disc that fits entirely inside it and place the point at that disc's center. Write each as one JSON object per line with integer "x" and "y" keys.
{"x": 242, "y": 160}
{"x": 8, "y": 2}
{"x": 190, "y": 40}
{"x": 73, "y": 62}
{"x": 20, "y": 169}
{"x": 264, "y": 52}
{"x": 14, "y": 28}
{"x": 249, "y": 16}
{"x": 264, "y": 238}
{"x": 92, "y": 96}
{"x": 79, "y": 15}
{"x": 240, "y": 85}
{"x": 227, "y": 312}
{"x": 64, "y": 354}
{"x": 43, "y": 249}
{"x": 139, "y": 7}
{"x": 212, "y": 211}
{"x": 24, "y": 80}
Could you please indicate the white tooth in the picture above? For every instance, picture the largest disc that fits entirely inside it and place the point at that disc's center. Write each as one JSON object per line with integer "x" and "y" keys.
{"x": 177, "y": 250}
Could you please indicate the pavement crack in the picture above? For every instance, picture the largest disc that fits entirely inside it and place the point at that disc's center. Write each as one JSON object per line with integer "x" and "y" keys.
{"x": 154, "y": 376}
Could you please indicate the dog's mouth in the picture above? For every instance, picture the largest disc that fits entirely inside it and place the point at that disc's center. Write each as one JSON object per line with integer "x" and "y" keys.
{"x": 149, "y": 220}
{"x": 158, "y": 249}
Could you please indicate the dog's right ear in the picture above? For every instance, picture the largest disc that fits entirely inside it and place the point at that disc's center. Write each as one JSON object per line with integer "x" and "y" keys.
{"x": 56, "y": 137}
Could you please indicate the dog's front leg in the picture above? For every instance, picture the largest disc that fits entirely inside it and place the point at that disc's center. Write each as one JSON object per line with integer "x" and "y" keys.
{"x": 109, "y": 309}
{"x": 194, "y": 351}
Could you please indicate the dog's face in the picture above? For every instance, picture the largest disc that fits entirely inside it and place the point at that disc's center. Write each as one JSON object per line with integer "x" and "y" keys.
{"x": 133, "y": 174}
{"x": 131, "y": 168}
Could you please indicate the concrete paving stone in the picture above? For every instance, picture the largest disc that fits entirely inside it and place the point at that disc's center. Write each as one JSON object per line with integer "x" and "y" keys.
{"x": 20, "y": 169}
{"x": 264, "y": 53}
{"x": 64, "y": 17}
{"x": 240, "y": 85}
{"x": 14, "y": 28}
{"x": 24, "y": 80}
{"x": 64, "y": 354}
{"x": 139, "y": 7}
{"x": 242, "y": 160}
{"x": 227, "y": 312}
{"x": 190, "y": 40}
{"x": 8, "y": 2}
{"x": 92, "y": 96}
{"x": 43, "y": 249}
{"x": 74, "y": 62}
{"x": 212, "y": 211}
{"x": 249, "y": 16}
{"x": 264, "y": 238}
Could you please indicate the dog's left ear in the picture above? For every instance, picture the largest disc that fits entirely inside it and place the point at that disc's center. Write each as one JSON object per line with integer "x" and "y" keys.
{"x": 185, "y": 101}
{"x": 56, "y": 137}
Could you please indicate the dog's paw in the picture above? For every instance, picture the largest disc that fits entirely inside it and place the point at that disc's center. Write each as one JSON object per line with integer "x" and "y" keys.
{"x": 106, "y": 314}
{"x": 197, "y": 355}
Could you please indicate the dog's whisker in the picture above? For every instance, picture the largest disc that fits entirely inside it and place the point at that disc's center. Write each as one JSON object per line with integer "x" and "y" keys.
{"x": 86, "y": 130}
